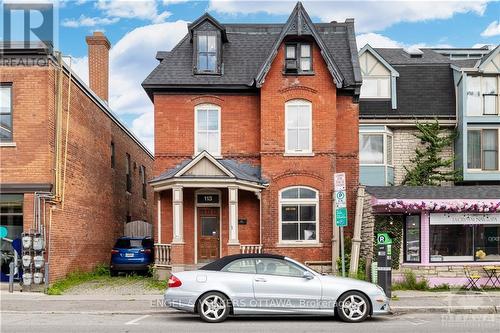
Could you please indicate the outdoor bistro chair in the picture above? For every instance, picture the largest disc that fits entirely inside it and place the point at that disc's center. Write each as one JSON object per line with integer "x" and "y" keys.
{"x": 472, "y": 279}
{"x": 493, "y": 274}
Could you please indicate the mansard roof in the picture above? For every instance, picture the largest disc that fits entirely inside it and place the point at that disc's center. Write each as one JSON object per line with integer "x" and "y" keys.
{"x": 249, "y": 50}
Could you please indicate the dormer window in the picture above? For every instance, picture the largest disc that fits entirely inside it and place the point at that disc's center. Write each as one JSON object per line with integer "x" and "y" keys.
{"x": 207, "y": 53}
{"x": 298, "y": 58}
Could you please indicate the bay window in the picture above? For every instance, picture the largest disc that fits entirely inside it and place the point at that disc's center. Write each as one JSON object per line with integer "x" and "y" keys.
{"x": 299, "y": 215}
{"x": 207, "y": 129}
{"x": 298, "y": 123}
{"x": 482, "y": 149}
{"x": 375, "y": 148}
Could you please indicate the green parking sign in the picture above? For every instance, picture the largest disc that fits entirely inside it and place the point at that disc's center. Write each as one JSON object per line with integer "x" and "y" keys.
{"x": 341, "y": 217}
{"x": 383, "y": 238}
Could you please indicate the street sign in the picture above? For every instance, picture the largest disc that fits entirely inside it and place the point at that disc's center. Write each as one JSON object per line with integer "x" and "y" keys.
{"x": 341, "y": 217}
{"x": 383, "y": 238}
{"x": 340, "y": 199}
{"x": 339, "y": 181}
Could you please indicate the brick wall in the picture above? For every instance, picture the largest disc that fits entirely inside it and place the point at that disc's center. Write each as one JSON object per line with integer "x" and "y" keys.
{"x": 92, "y": 215}
{"x": 404, "y": 144}
{"x": 252, "y": 129}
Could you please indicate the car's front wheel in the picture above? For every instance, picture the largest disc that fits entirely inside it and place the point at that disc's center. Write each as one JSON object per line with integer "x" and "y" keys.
{"x": 213, "y": 307}
{"x": 353, "y": 307}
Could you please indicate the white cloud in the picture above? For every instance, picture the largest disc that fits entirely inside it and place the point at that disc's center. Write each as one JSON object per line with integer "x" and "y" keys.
{"x": 370, "y": 15}
{"x": 139, "y": 9}
{"x": 492, "y": 30}
{"x": 132, "y": 58}
{"x": 84, "y": 21}
{"x": 143, "y": 127}
{"x": 376, "y": 40}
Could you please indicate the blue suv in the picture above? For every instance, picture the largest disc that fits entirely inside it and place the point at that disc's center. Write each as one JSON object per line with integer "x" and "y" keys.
{"x": 133, "y": 254}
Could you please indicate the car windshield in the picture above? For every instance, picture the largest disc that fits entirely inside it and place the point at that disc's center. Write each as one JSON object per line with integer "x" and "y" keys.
{"x": 129, "y": 243}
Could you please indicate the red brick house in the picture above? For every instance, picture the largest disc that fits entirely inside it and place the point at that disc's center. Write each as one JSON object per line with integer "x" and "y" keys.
{"x": 69, "y": 169}
{"x": 251, "y": 123}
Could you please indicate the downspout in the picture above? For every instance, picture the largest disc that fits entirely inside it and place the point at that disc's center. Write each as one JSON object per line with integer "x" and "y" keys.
{"x": 259, "y": 195}
{"x": 58, "y": 129}
{"x": 67, "y": 134}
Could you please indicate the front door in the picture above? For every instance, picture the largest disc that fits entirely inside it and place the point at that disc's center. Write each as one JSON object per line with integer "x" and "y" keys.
{"x": 208, "y": 233}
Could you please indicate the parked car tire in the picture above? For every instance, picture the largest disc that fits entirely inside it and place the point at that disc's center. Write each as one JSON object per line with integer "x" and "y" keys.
{"x": 112, "y": 272}
{"x": 353, "y": 307}
{"x": 213, "y": 307}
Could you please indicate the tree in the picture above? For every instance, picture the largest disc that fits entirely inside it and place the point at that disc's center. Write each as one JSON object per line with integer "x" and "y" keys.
{"x": 429, "y": 167}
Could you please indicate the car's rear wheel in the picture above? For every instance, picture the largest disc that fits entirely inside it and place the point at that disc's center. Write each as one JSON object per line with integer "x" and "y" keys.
{"x": 213, "y": 307}
{"x": 353, "y": 307}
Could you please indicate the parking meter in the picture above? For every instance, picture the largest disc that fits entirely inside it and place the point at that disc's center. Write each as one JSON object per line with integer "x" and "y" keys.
{"x": 384, "y": 262}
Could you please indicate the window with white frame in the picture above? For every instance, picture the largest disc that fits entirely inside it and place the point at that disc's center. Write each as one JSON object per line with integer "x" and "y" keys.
{"x": 299, "y": 207}
{"x": 482, "y": 95}
{"x": 376, "y": 87}
{"x": 298, "y": 127}
{"x": 5, "y": 113}
{"x": 375, "y": 148}
{"x": 207, "y": 129}
{"x": 482, "y": 149}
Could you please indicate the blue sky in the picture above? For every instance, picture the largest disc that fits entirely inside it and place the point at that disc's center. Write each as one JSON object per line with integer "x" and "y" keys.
{"x": 137, "y": 29}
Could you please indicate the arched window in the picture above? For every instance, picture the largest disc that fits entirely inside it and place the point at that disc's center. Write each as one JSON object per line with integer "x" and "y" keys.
{"x": 299, "y": 209}
{"x": 298, "y": 127}
{"x": 207, "y": 129}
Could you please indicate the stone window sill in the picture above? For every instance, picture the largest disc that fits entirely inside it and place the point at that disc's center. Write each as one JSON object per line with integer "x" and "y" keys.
{"x": 298, "y": 154}
{"x": 8, "y": 144}
{"x": 299, "y": 244}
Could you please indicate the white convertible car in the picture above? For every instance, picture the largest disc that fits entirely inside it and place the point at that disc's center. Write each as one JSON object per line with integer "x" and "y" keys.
{"x": 263, "y": 284}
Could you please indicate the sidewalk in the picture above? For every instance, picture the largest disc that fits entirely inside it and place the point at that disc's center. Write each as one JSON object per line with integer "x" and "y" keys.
{"x": 406, "y": 302}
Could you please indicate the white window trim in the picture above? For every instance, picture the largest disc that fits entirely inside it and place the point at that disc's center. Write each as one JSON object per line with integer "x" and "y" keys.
{"x": 298, "y": 201}
{"x": 480, "y": 129}
{"x": 385, "y": 133}
{"x": 305, "y": 152}
{"x": 216, "y": 154}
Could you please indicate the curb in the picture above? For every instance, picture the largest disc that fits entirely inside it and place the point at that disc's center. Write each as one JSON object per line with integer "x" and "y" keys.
{"x": 492, "y": 309}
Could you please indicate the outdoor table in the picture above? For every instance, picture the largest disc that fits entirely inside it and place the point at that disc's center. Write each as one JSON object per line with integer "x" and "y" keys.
{"x": 493, "y": 274}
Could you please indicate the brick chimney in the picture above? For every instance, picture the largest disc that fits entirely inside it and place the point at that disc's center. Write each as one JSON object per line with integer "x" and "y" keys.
{"x": 98, "y": 46}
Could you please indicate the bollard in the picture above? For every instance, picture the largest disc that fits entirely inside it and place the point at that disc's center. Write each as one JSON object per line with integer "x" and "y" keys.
{"x": 11, "y": 277}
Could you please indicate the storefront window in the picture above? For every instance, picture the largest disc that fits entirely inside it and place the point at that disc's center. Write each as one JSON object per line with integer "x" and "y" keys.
{"x": 11, "y": 217}
{"x": 412, "y": 238}
{"x": 487, "y": 242}
{"x": 451, "y": 243}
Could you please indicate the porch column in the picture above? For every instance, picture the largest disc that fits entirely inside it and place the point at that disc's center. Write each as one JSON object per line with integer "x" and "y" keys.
{"x": 233, "y": 216}
{"x": 158, "y": 207}
{"x": 177, "y": 214}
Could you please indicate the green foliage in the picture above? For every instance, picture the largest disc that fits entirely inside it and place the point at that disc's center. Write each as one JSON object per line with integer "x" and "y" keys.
{"x": 428, "y": 167}
{"x": 393, "y": 225}
{"x": 441, "y": 287}
{"x": 100, "y": 277}
{"x": 410, "y": 282}
{"x": 361, "y": 274}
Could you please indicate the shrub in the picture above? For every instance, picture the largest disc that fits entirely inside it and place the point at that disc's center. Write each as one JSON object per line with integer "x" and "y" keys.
{"x": 410, "y": 282}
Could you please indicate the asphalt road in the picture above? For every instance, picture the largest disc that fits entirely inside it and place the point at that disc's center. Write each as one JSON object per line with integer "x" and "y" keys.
{"x": 31, "y": 322}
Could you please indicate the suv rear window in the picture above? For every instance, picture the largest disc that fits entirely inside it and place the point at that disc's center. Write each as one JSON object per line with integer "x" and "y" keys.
{"x": 133, "y": 243}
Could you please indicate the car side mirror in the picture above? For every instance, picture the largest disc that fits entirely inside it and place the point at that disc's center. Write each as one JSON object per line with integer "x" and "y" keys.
{"x": 307, "y": 275}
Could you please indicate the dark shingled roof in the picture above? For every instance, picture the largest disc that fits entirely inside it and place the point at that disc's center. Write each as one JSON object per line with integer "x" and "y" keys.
{"x": 425, "y": 87}
{"x": 247, "y": 49}
{"x": 241, "y": 171}
{"x": 435, "y": 192}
